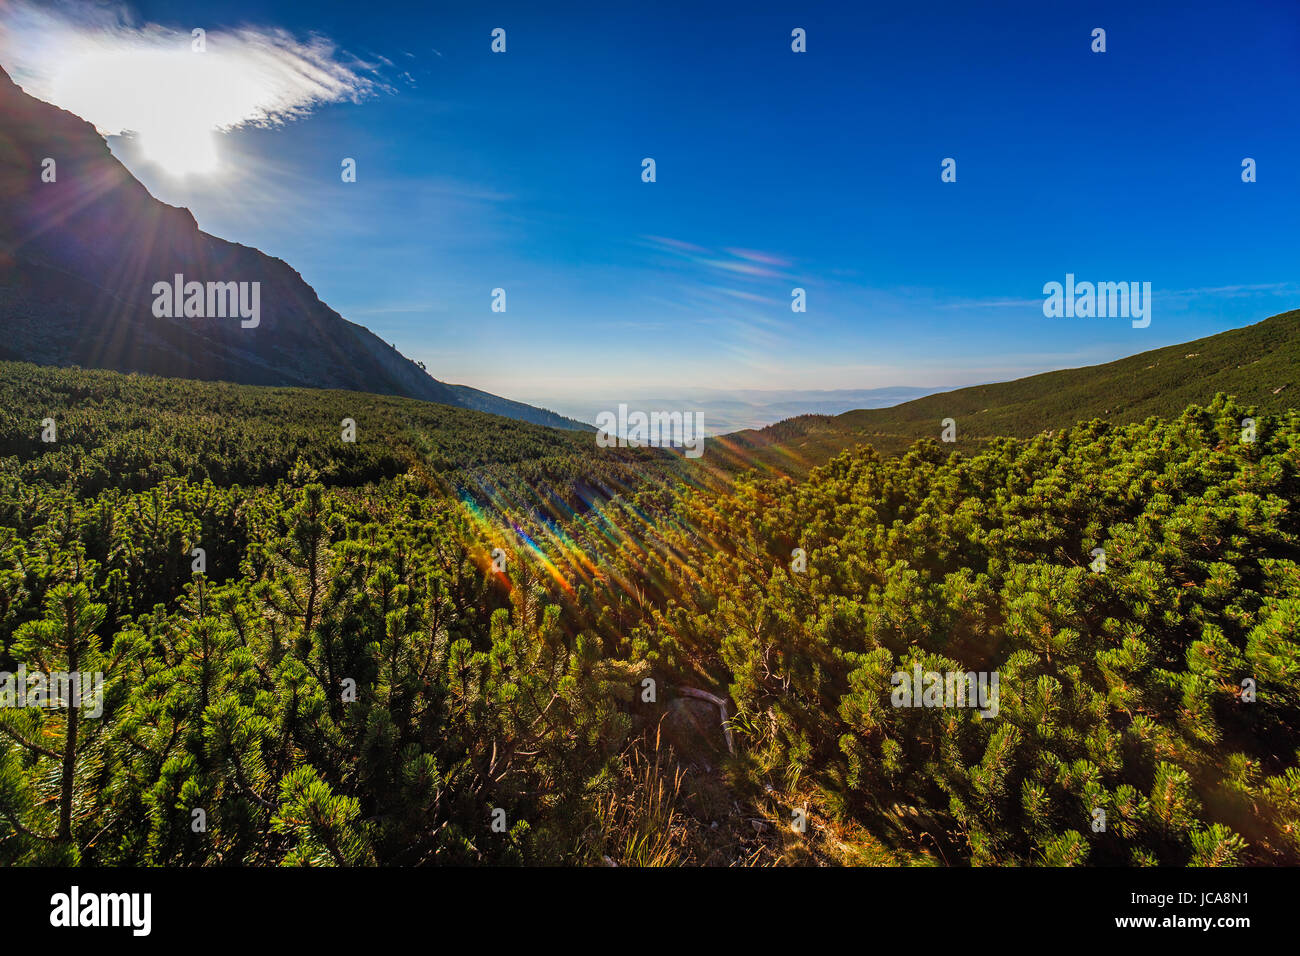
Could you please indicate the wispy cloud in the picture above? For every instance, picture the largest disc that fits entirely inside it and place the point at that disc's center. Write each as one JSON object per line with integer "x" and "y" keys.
{"x": 674, "y": 245}
{"x": 1239, "y": 291}
{"x": 760, "y": 257}
{"x": 992, "y": 304}
{"x": 730, "y": 262}
{"x": 96, "y": 61}
{"x": 746, "y": 296}
{"x": 1221, "y": 291}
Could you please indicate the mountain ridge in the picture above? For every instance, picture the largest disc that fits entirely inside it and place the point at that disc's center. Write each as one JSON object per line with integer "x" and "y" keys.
{"x": 80, "y": 255}
{"x": 1258, "y": 363}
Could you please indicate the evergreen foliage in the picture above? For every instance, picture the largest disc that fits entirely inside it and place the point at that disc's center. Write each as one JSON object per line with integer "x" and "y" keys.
{"x": 351, "y": 678}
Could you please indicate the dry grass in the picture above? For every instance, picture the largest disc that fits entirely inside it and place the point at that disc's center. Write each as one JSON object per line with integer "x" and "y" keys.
{"x": 640, "y": 823}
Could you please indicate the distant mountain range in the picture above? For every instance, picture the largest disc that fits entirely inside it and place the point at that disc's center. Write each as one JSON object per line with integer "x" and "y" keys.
{"x": 80, "y": 257}
{"x": 1259, "y": 364}
{"x": 729, "y": 410}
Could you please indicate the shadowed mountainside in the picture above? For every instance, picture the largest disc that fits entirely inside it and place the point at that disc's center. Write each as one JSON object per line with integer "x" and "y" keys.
{"x": 79, "y": 257}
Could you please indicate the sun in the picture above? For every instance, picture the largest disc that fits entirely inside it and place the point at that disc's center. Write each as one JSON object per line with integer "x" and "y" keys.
{"x": 180, "y": 101}
{"x": 181, "y": 152}
{"x": 172, "y": 101}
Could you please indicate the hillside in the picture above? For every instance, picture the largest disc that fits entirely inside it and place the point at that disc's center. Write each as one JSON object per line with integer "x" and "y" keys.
{"x": 129, "y": 432}
{"x": 1259, "y": 364}
{"x": 80, "y": 256}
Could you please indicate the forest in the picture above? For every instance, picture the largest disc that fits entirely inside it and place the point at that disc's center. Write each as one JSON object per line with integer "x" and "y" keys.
{"x": 460, "y": 639}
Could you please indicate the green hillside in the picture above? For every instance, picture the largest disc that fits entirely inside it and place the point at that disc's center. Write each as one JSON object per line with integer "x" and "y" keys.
{"x": 1259, "y": 364}
{"x": 129, "y": 432}
{"x": 462, "y": 639}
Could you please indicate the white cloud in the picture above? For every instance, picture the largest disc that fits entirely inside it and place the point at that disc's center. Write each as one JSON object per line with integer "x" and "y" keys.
{"x": 94, "y": 60}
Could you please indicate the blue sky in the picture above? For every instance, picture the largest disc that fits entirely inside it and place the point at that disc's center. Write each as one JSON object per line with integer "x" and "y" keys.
{"x": 820, "y": 170}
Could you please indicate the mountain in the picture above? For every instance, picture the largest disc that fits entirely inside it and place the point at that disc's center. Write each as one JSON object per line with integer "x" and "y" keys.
{"x": 80, "y": 257}
{"x": 481, "y": 401}
{"x": 1258, "y": 364}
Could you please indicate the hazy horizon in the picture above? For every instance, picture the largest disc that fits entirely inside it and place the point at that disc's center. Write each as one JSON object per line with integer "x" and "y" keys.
{"x": 730, "y": 410}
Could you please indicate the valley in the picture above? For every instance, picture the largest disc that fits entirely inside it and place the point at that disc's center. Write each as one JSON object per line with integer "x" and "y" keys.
{"x": 464, "y": 639}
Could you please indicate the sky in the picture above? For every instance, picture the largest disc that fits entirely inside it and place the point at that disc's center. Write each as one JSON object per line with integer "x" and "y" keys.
{"x": 775, "y": 170}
